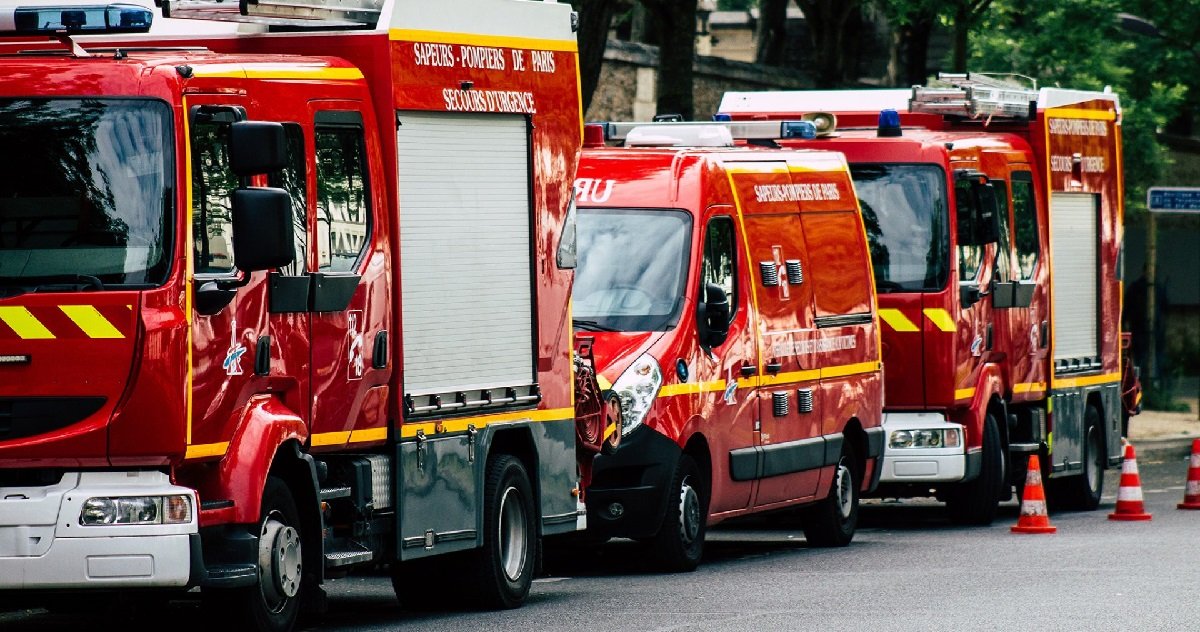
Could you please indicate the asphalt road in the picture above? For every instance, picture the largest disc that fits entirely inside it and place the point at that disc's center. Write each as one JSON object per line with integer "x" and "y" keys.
{"x": 908, "y": 569}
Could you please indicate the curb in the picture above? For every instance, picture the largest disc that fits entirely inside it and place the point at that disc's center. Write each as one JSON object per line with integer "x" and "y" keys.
{"x": 1173, "y": 448}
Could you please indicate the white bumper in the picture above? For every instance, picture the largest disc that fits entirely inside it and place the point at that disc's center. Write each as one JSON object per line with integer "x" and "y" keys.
{"x": 921, "y": 465}
{"x": 43, "y": 545}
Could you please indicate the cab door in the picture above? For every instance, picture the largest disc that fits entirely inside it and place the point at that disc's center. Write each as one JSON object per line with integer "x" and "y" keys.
{"x": 349, "y": 304}
{"x": 1026, "y": 320}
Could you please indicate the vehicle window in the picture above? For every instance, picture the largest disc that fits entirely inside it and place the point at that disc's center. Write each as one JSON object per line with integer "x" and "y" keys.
{"x": 904, "y": 214}
{"x": 632, "y": 268}
{"x": 720, "y": 260}
{"x": 213, "y": 183}
{"x": 1004, "y": 248}
{"x": 969, "y": 257}
{"x": 292, "y": 179}
{"x": 1025, "y": 221}
{"x": 85, "y": 190}
{"x": 343, "y": 194}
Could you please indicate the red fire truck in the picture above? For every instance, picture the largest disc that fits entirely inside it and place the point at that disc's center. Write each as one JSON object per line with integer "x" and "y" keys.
{"x": 729, "y": 294}
{"x": 276, "y": 306}
{"x": 994, "y": 212}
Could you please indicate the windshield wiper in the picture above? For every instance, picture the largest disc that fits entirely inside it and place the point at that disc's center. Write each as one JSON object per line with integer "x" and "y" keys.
{"x": 887, "y": 287}
{"x": 66, "y": 282}
{"x": 590, "y": 325}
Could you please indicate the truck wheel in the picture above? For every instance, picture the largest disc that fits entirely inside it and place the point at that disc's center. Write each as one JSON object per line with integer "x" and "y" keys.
{"x": 832, "y": 521}
{"x": 976, "y": 502}
{"x": 679, "y": 544}
{"x": 272, "y": 605}
{"x": 504, "y": 567}
{"x": 1084, "y": 490}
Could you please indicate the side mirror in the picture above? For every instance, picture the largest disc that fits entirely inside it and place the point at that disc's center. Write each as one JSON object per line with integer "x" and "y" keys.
{"x": 714, "y": 316}
{"x": 262, "y": 228}
{"x": 256, "y": 147}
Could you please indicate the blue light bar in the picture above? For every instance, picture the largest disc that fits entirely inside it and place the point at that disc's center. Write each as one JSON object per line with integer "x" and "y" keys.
{"x": 722, "y": 117}
{"x": 798, "y": 129}
{"x": 92, "y": 19}
{"x": 889, "y": 124}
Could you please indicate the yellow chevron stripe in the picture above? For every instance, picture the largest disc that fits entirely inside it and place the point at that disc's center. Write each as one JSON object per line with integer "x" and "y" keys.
{"x": 896, "y": 319}
{"x": 91, "y": 321}
{"x": 964, "y": 393}
{"x": 940, "y": 318}
{"x": 24, "y": 323}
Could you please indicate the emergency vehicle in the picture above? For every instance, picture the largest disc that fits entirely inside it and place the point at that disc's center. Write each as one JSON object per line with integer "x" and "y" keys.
{"x": 994, "y": 212}
{"x": 729, "y": 294}
{"x": 277, "y": 306}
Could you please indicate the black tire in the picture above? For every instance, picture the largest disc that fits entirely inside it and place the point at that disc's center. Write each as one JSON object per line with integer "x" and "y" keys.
{"x": 503, "y": 569}
{"x": 976, "y": 502}
{"x": 833, "y": 520}
{"x": 1083, "y": 491}
{"x": 273, "y": 604}
{"x": 679, "y": 544}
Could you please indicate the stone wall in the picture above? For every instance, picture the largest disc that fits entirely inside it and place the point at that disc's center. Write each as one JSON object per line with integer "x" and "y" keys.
{"x": 627, "y": 82}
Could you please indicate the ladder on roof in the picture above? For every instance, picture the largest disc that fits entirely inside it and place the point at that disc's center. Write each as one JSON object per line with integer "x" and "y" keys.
{"x": 975, "y": 96}
{"x": 293, "y": 13}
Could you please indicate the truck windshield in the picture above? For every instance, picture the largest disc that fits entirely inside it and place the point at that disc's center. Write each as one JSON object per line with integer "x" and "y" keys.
{"x": 904, "y": 213}
{"x": 84, "y": 192}
{"x": 632, "y": 268}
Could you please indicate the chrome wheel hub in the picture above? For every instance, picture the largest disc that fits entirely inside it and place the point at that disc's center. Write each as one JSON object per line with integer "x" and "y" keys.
{"x": 689, "y": 513}
{"x": 513, "y": 534}
{"x": 279, "y": 562}
{"x": 844, "y": 483}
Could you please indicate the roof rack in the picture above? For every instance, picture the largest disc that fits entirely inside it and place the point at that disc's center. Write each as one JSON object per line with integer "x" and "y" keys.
{"x": 292, "y": 13}
{"x": 976, "y": 95}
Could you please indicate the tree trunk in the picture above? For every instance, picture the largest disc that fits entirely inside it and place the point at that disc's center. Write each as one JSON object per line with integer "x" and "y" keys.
{"x": 828, "y": 21}
{"x": 771, "y": 32}
{"x": 916, "y": 47}
{"x": 595, "y": 18}
{"x": 675, "y": 21}
{"x": 962, "y": 29}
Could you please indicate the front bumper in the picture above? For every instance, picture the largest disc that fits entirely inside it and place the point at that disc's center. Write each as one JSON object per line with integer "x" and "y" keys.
{"x": 634, "y": 482}
{"x": 921, "y": 465}
{"x": 43, "y": 546}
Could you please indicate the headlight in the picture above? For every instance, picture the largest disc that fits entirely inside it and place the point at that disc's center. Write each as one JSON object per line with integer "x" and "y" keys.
{"x": 637, "y": 388}
{"x": 939, "y": 438}
{"x": 175, "y": 509}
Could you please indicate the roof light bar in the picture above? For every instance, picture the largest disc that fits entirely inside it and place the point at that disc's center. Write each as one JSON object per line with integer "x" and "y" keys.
{"x": 95, "y": 19}
{"x": 294, "y": 13}
{"x": 740, "y": 130}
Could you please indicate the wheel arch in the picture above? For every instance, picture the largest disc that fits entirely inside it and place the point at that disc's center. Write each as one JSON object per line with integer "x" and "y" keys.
{"x": 298, "y": 471}
{"x": 697, "y": 447}
{"x": 518, "y": 442}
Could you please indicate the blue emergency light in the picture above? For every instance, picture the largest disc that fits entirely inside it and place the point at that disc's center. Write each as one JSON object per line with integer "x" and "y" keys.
{"x": 889, "y": 124}
{"x": 89, "y": 19}
{"x": 798, "y": 129}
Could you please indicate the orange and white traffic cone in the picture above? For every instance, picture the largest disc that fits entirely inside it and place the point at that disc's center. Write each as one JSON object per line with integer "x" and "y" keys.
{"x": 1191, "y": 497}
{"x": 1129, "y": 494}
{"x": 1034, "y": 518}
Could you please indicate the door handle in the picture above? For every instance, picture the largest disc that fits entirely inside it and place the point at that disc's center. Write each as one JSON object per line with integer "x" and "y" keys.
{"x": 773, "y": 366}
{"x": 747, "y": 370}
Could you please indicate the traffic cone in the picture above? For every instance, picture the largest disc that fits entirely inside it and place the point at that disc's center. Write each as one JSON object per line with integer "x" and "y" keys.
{"x": 1034, "y": 518}
{"x": 1191, "y": 497}
{"x": 1129, "y": 494}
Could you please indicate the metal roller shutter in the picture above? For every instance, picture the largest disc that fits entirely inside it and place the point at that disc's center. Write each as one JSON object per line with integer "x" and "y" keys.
{"x": 1074, "y": 241}
{"x": 466, "y": 275}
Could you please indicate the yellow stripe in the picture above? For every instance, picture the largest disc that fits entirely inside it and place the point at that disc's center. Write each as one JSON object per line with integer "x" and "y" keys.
{"x": 301, "y": 73}
{"x": 206, "y": 449}
{"x": 964, "y": 393}
{"x": 609, "y": 430}
{"x": 789, "y": 377}
{"x": 368, "y": 434}
{"x": 409, "y": 430}
{"x": 897, "y": 319}
{"x": 503, "y": 41}
{"x": 850, "y": 369}
{"x": 1076, "y": 113}
{"x": 940, "y": 318}
{"x": 189, "y": 264}
{"x": 329, "y": 438}
{"x": 27, "y": 326}
{"x": 691, "y": 388}
{"x": 91, "y": 321}
{"x": 1026, "y": 387}
{"x": 1090, "y": 380}
{"x": 603, "y": 382}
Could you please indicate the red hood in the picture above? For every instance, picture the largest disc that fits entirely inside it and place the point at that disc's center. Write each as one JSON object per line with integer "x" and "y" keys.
{"x": 615, "y": 351}
{"x": 66, "y": 361}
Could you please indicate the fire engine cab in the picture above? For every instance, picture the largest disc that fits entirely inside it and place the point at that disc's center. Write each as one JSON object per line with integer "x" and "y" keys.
{"x": 994, "y": 213}
{"x": 728, "y": 291}
{"x": 277, "y": 306}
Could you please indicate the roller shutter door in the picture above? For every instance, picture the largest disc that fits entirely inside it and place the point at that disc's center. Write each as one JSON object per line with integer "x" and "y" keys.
{"x": 1074, "y": 242}
{"x": 466, "y": 275}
